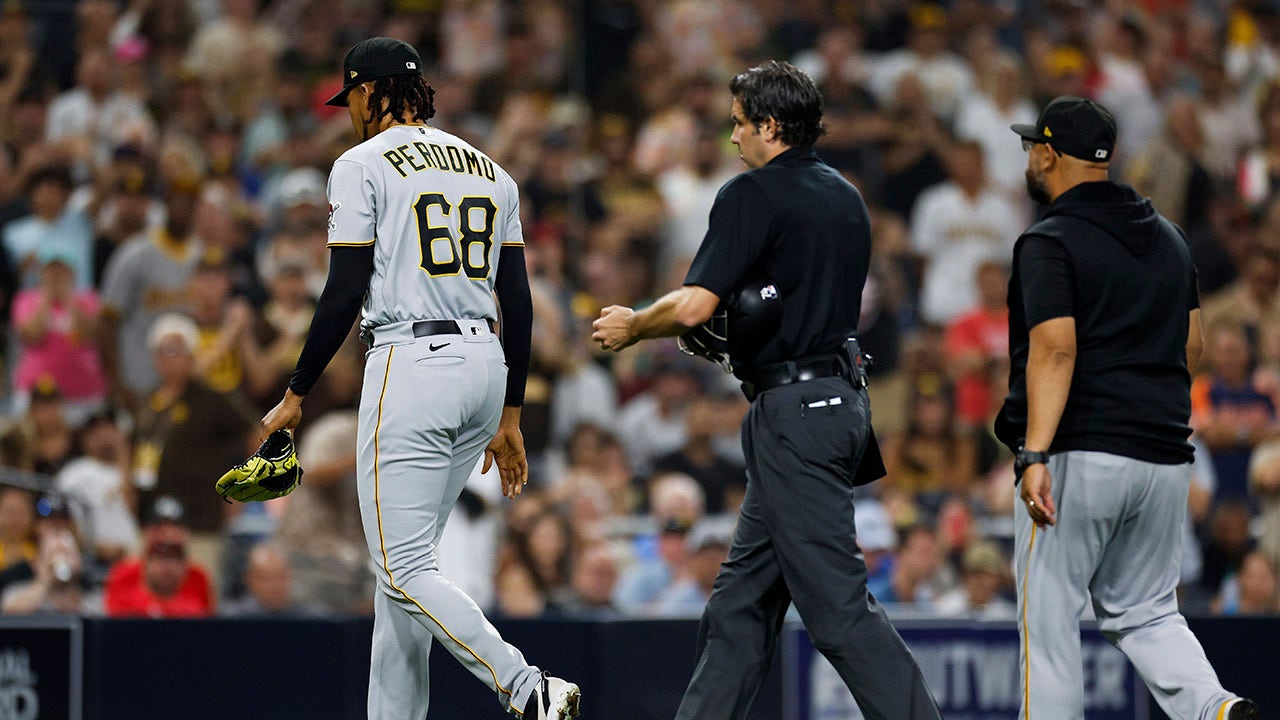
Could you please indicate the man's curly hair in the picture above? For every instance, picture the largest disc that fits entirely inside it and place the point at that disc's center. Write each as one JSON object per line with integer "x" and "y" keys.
{"x": 402, "y": 93}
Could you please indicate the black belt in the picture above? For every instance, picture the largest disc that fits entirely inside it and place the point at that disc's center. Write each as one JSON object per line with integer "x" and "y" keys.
{"x": 794, "y": 371}
{"x": 424, "y": 328}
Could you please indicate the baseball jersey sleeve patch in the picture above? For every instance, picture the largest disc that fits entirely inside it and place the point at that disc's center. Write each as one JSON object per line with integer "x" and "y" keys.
{"x": 333, "y": 216}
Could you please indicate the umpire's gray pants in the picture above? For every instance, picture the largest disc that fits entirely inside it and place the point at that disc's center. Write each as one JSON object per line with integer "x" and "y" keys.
{"x": 1116, "y": 540}
{"x": 795, "y": 542}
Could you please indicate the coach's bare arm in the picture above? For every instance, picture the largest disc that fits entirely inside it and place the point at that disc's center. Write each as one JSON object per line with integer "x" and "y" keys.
{"x": 1051, "y": 361}
{"x": 1195, "y": 342}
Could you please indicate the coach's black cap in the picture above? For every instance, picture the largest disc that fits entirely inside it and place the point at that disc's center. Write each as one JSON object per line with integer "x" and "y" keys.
{"x": 375, "y": 58}
{"x": 1073, "y": 126}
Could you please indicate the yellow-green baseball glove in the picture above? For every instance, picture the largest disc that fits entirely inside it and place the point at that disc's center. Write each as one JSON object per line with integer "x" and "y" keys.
{"x": 271, "y": 472}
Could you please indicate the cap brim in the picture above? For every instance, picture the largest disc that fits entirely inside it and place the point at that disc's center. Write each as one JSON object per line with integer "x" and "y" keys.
{"x": 1026, "y": 131}
{"x": 340, "y": 100}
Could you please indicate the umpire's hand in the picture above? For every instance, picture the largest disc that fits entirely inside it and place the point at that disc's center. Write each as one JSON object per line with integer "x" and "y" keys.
{"x": 612, "y": 330}
{"x": 1035, "y": 490}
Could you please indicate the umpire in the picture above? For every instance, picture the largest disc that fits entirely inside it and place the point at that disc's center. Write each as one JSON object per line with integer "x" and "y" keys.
{"x": 1104, "y": 326}
{"x": 796, "y": 221}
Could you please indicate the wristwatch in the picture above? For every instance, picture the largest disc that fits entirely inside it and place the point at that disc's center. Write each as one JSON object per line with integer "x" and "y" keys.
{"x": 1026, "y": 458}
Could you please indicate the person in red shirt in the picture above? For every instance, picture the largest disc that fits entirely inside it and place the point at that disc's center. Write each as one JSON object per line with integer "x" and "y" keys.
{"x": 163, "y": 583}
{"x": 978, "y": 347}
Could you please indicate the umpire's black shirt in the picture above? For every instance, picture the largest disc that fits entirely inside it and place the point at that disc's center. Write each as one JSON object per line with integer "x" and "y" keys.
{"x": 1104, "y": 256}
{"x": 799, "y": 223}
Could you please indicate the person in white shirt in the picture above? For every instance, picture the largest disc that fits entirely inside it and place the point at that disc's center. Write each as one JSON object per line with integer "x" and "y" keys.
{"x": 985, "y": 571}
{"x": 945, "y": 76}
{"x": 954, "y": 227}
{"x": 985, "y": 118}
{"x": 94, "y": 117}
{"x": 98, "y": 484}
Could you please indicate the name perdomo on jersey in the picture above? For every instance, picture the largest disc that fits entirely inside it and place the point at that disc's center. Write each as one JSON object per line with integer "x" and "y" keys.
{"x": 432, "y": 156}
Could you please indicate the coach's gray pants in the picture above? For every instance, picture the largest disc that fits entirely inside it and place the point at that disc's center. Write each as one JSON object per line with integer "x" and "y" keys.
{"x": 425, "y": 419}
{"x": 795, "y": 542}
{"x": 1117, "y": 540}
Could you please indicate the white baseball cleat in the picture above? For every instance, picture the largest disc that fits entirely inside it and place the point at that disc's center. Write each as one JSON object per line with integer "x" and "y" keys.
{"x": 553, "y": 699}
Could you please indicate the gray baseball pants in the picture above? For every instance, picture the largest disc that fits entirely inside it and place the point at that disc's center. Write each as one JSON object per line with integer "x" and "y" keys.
{"x": 425, "y": 418}
{"x": 1116, "y": 542}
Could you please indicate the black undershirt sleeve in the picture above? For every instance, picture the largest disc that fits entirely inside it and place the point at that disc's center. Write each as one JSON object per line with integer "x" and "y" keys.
{"x": 350, "y": 269}
{"x": 512, "y": 289}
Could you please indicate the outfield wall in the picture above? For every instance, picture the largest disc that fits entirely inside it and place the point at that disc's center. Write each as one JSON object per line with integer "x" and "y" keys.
{"x": 52, "y": 669}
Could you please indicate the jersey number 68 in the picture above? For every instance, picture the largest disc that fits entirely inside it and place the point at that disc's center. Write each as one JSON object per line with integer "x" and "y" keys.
{"x": 461, "y": 253}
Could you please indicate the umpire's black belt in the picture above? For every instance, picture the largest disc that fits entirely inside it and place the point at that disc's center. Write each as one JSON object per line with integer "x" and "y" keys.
{"x": 794, "y": 371}
{"x": 424, "y": 328}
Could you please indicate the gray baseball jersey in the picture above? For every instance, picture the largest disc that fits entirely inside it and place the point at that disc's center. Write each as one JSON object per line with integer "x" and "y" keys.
{"x": 436, "y": 212}
{"x": 445, "y": 208}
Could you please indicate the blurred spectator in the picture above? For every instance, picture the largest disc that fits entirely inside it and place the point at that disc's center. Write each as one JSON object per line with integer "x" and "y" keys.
{"x": 146, "y": 278}
{"x": 41, "y": 439}
{"x": 100, "y": 486}
{"x": 985, "y": 118}
{"x": 545, "y": 549}
{"x": 930, "y": 458}
{"x": 915, "y": 152}
{"x": 53, "y": 227}
{"x": 517, "y": 593}
{"x": 1252, "y": 590}
{"x": 718, "y": 476}
{"x": 706, "y": 547}
{"x": 947, "y": 79}
{"x": 91, "y": 119}
{"x": 652, "y": 423}
{"x": 984, "y": 573}
{"x": 1227, "y": 544}
{"x": 1250, "y": 302}
{"x": 688, "y": 190}
{"x": 1228, "y": 412}
{"x": 236, "y": 46}
{"x": 676, "y": 503}
{"x": 185, "y": 432}
{"x": 597, "y": 460}
{"x": 320, "y": 529}
{"x": 1258, "y": 176}
{"x": 17, "y": 522}
{"x": 223, "y": 321}
{"x": 1264, "y": 486}
{"x": 595, "y": 575}
{"x": 877, "y": 540}
{"x": 57, "y": 326}
{"x": 918, "y": 578}
{"x": 978, "y": 346}
{"x": 165, "y": 581}
{"x": 272, "y": 345}
{"x": 58, "y": 586}
{"x": 1170, "y": 168}
{"x": 1228, "y": 119}
{"x": 270, "y": 584}
{"x": 955, "y": 227}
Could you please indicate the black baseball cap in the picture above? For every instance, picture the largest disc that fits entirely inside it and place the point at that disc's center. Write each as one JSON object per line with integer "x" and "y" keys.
{"x": 377, "y": 57}
{"x": 1073, "y": 126}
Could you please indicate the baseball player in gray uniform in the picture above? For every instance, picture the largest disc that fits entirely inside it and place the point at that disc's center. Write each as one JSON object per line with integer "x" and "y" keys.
{"x": 424, "y": 231}
{"x": 1104, "y": 327}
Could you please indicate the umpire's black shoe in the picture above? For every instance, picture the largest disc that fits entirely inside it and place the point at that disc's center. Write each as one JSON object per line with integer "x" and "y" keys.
{"x": 553, "y": 699}
{"x": 1244, "y": 710}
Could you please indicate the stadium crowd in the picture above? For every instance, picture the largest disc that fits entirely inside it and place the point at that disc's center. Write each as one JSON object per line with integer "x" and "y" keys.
{"x": 163, "y": 222}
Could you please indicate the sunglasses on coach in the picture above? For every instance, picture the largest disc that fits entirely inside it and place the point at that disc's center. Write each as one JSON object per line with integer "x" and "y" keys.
{"x": 1028, "y": 144}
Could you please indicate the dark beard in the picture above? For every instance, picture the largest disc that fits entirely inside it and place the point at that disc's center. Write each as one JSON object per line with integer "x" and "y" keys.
{"x": 1037, "y": 189}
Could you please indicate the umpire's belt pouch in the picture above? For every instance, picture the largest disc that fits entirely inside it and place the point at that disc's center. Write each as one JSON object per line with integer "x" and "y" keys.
{"x": 871, "y": 466}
